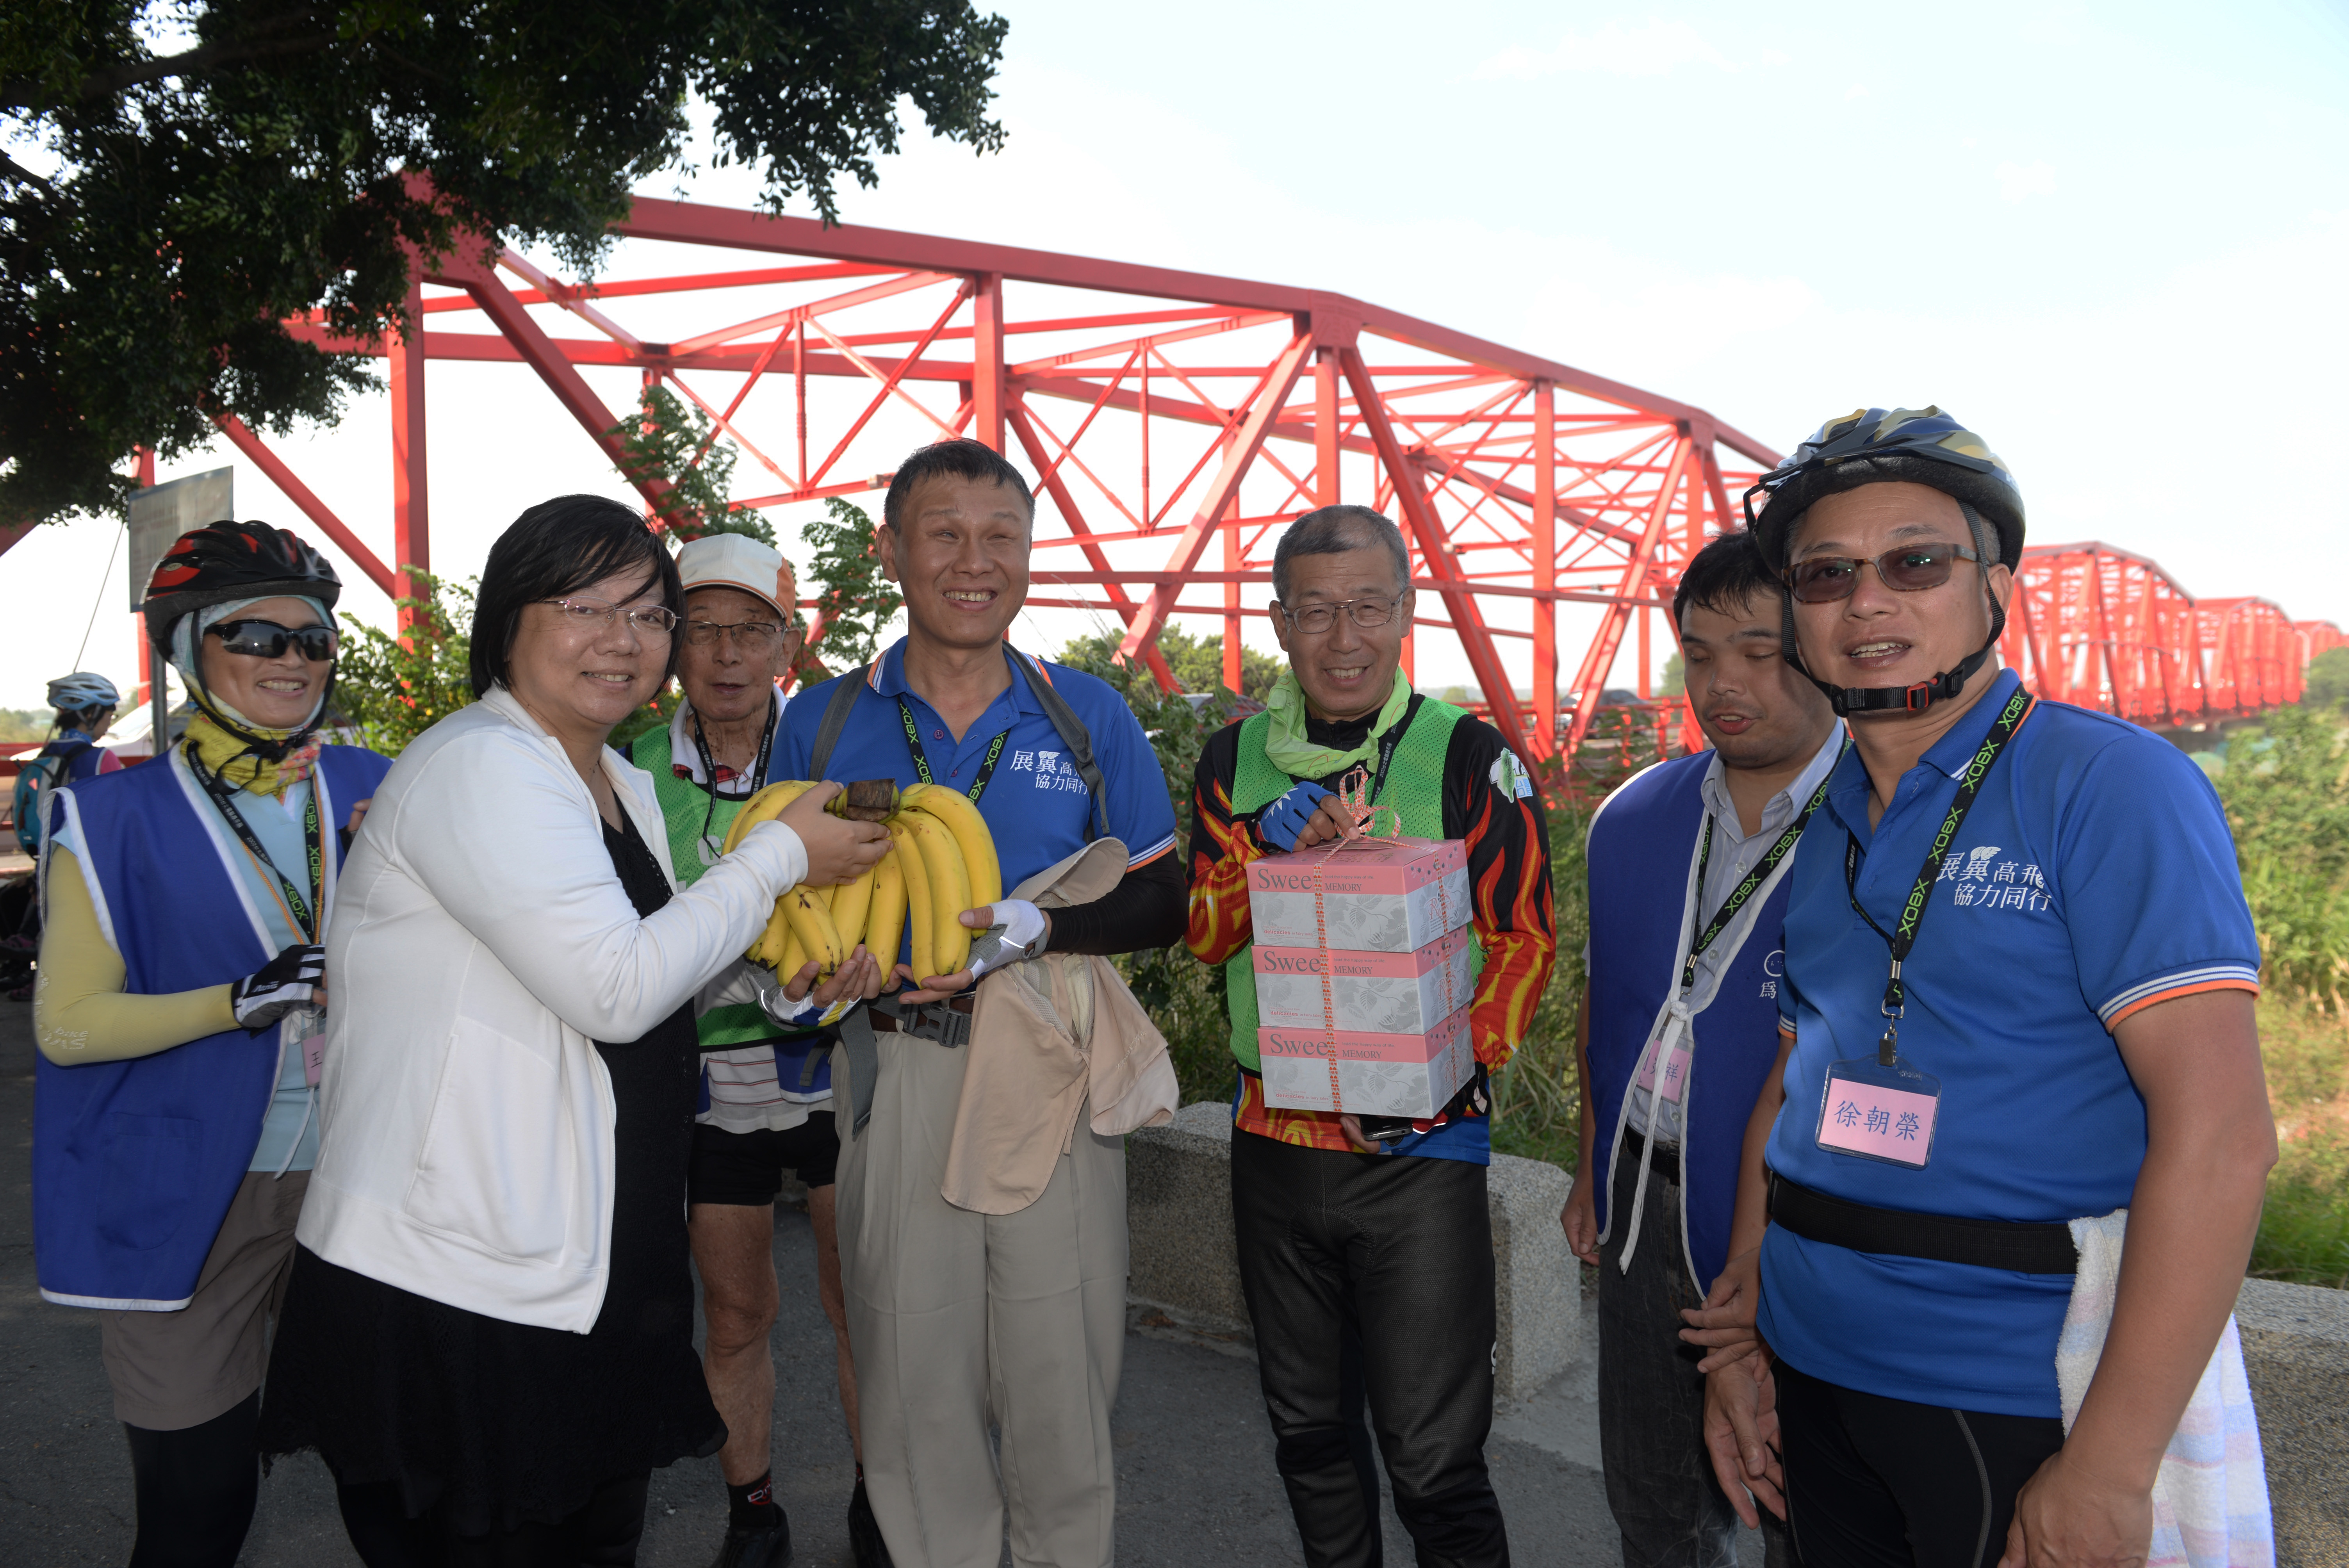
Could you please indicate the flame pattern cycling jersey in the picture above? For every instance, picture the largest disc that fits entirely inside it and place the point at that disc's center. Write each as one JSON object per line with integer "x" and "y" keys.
{"x": 1489, "y": 801}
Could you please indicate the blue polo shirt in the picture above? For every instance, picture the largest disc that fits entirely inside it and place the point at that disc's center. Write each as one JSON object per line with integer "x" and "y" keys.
{"x": 2094, "y": 878}
{"x": 1035, "y": 804}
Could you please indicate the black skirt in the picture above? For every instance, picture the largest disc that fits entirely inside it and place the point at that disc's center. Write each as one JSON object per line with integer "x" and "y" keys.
{"x": 496, "y": 1422}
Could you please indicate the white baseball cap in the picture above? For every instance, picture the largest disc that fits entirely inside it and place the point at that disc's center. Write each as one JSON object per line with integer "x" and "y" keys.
{"x": 738, "y": 561}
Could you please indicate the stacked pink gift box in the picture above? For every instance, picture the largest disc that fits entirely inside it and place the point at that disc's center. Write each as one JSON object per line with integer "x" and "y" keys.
{"x": 1363, "y": 976}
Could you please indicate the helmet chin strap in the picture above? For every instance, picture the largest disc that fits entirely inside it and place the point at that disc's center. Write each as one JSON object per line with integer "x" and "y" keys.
{"x": 1915, "y": 698}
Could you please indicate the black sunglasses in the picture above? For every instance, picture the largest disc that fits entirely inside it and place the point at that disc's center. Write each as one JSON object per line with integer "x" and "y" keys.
{"x": 1911, "y": 569}
{"x": 267, "y": 639}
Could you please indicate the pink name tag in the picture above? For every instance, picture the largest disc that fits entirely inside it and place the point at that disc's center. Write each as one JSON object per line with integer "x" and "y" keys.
{"x": 1878, "y": 1122}
{"x": 313, "y": 1059}
{"x": 1676, "y": 1069}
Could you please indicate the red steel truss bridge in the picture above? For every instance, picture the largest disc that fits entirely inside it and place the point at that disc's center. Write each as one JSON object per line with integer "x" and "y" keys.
{"x": 1175, "y": 421}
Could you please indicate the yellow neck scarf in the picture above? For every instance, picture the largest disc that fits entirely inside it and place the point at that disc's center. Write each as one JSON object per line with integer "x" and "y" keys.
{"x": 229, "y": 756}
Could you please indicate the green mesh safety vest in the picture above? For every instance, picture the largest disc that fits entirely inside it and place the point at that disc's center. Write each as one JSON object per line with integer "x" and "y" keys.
{"x": 1414, "y": 787}
{"x": 684, "y": 805}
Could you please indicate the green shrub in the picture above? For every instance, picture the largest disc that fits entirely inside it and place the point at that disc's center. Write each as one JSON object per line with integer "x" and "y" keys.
{"x": 2286, "y": 791}
{"x": 2305, "y": 1229}
{"x": 395, "y": 689}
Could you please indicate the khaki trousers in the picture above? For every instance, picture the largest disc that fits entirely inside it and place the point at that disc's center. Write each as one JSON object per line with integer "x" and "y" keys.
{"x": 963, "y": 1323}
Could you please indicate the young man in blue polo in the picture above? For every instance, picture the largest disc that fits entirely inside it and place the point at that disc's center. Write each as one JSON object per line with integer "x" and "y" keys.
{"x": 2020, "y": 978}
{"x": 1688, "y": 866}
{"x": 961, "y": 1320}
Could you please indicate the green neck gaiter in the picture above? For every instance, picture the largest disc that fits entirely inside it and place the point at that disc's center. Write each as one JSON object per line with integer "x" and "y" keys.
{"x": 1291, "y": 752}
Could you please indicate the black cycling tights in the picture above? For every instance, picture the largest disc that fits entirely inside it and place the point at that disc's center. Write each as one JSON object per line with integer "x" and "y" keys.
{"x": 1873, "y": 1482}
{"x": 196, "y": 1488}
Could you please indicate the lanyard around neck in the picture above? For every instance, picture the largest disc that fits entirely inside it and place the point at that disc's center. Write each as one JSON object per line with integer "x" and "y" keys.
{"x": 709, "y": 764}
{"x": 297, "y": 909}
{"x": 922, "y": 763}
{"x": 1902, "y": 937}
{"x": 1700, "y": 939}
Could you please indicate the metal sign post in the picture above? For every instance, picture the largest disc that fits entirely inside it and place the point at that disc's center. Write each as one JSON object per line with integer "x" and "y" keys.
{"x": 159, "y": 515}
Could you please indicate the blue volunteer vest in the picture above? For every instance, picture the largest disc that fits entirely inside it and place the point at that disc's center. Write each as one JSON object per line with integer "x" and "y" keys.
{"x": 1639, "y": 857}
{"x": 135, "y": 1162}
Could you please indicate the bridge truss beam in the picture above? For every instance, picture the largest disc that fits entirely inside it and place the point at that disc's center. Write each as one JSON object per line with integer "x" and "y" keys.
{"x": 1177, "y": 421}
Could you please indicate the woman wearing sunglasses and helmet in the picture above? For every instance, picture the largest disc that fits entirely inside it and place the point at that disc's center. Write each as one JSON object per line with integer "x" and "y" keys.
{"x": 178, "y": 1009}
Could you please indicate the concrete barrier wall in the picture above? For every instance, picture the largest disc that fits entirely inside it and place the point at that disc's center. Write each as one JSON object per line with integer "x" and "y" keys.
{"x": 1185, "y": 1264}
{"x": 1178, "y": 1204}
{"x": 2296, "y": 1349}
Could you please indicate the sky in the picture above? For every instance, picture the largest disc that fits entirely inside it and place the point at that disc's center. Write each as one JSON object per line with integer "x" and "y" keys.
{"x": 2111, "y": 239}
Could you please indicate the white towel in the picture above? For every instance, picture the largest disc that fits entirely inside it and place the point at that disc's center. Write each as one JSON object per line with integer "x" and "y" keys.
{"x": 2210, "y": 1499}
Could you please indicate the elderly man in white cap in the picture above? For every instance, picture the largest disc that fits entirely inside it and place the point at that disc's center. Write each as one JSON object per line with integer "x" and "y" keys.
{"x": 766, "y": 1089}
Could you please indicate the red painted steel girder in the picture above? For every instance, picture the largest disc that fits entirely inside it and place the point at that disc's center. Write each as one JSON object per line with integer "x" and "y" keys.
{"x": 2105, "y": 628}
{"x": 1175, "y": 421}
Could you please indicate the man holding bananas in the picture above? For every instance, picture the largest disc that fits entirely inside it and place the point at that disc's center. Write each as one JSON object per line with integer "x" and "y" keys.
{"x": 766, "y": 1089}
{"x": 1008, "y": 767}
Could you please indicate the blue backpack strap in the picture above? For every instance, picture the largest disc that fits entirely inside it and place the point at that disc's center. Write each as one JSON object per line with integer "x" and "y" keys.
{"x": 1078, "y": 740}
{"x": 836, "y": 719}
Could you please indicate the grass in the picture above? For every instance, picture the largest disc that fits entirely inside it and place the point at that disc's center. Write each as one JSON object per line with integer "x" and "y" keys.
{"x": 2305, "y": 1230}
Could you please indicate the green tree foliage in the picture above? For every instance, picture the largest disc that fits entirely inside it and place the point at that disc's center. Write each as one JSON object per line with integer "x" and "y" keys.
{"x": 208, "y": 168}
{"x": 395, "y": 690}
{"x": 2286, "y": 792}
{"x": 668, "y": 440}
{"x": 2328, "y": 679}
{"x": 1675, "y": 678}
{"x": 22, "y": 724}
{"x": 1196, "y": 662}
{"x": 855, "y": 600}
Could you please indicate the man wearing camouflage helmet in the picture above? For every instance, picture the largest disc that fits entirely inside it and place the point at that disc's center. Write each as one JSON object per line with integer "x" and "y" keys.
{"x": 2018, "y": 1009}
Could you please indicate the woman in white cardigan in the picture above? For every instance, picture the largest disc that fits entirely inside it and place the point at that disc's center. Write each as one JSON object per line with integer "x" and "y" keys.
{"x": 489, "y": 1329}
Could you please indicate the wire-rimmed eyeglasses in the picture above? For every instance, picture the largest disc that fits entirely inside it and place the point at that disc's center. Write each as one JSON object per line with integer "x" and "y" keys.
{"x": 594, "y": 614}
{"x": 1368, "y": 614}
{"x": 751, "y": 636}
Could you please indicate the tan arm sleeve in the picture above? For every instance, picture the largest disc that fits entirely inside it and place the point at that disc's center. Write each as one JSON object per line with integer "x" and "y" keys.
{"x": 81, "y": 1011}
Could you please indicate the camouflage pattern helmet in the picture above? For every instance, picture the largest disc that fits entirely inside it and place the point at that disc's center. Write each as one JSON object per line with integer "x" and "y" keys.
{"x": 1871, "y": 446}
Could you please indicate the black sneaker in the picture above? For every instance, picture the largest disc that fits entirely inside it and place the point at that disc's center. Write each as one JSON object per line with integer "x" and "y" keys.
{"x": 768, "y": 1547}
{"x": 865, "y": 1532}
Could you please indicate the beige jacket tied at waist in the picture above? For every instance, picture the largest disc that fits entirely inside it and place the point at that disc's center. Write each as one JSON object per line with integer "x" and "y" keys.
{"x": 1048, "y": 1035}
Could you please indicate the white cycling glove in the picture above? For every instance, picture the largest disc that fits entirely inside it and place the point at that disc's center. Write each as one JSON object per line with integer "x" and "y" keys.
{"x": 780, "y": 1009}
{"x": 1019, "y": 933}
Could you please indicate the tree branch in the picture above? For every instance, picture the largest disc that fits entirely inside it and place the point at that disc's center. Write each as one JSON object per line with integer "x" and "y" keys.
{"x": 23, "y": 93}
{"x": 12, "y": 170}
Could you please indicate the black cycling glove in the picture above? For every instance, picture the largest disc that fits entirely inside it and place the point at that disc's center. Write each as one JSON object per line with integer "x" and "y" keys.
{"x": 287, "y": 981}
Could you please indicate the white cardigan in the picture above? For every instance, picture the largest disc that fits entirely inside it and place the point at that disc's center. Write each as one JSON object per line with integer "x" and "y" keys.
{"x": 479, "y": 944}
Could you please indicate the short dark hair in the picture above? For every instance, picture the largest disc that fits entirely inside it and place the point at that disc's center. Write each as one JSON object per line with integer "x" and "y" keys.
{"x": 960, "y": 458}
{"x": 1334, "y": 530}
{"x": 1724, "y": 576}
{"x": 555, "y": 548}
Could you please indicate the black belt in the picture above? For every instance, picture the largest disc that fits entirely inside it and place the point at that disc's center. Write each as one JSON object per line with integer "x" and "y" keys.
{"x": 1667, "y": 1155}
{"x": 2022, "y": 1246}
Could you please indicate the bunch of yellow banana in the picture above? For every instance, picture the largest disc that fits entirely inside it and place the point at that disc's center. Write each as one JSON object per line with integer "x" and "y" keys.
{"x": 940, "y": 861}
